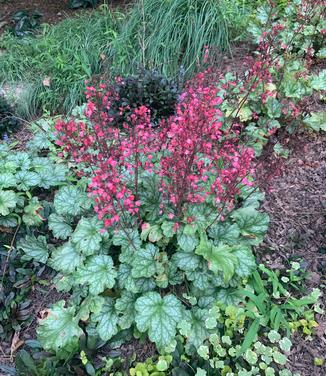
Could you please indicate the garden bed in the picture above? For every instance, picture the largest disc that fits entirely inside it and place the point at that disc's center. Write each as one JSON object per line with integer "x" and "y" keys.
{"x": 174, "y": 224}
{"x": 295, "y": 196}
{"x": 295, "y": 201}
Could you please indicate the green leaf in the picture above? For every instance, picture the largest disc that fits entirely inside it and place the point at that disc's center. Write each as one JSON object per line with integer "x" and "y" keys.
{"x": 175, "y": 276}
{"x": 200, "y": 278}
{"x": 186, "y": 261}
{"x": 106, "y": 321}
{"x": 168, "y": 229}
{"x": 245, "y": 113}
{"x": 253, "y": 224}
{"x": 27, "y": 179}
{"x": 187, "y": 242}
{"x": 98, "y": 274}
{"x": 203, "y": 352}
{"x": 125, "y": 279}
{"x": 60, "y": 227}
{"x": 224, "y": 232}
{"x": 129, "y": 241}
{"x": 66, "y": 259}
{"x": 23, "y": 362}
{"x": 20, "y": 159}
{"x": 273, "y": 108}
{"x": 219, "y": 258}
{"x": 319, "y": 82}
{"x": 295, "y": 87}
{"x": 247, "y": 262}
{"x": 228, "y": 296}
{"x": 280, "y": 150}
{"x": 63, "y": 282}
{"x": 322, "y": 53}
{"x": 269, "y": 371}
{"x": 51, "y": 176}
{"x": 263, "y": 15}
{"x": 87, "y": 235}
{"x": 150, "y": 197}
{"x": 317, "y": 362}
{"x": 154, "y": 233}
{"x": 252, "y": 197}
{"x": 8, "y": 221}
{"x": 184, "y": 326}
{"x": 8, "y": 200}
{"x": 198, "y": 332}
{"x": 125, "y": 306}
{"x": 250, "y": 356}
{"x": 274, "y": 336}
{"x": 71, "y": 200}
{"x": 35, "y": 248}
{"x": 59, "y": 330}
{"x": 250, "y": 336}
{"x": 135, "y": 285}
{"x": 158, "y": 316}
{"x": 91, "y": 304}
{"x": 31, "y": 215}
{"x": 279, "y": 358}
{"x": 39, "y": 141}
{"x": 74, "y": 4}
{"x": 144, "y": 262}
{"x": 145, "y": 284}
{"x": 316, "y": 121}
{"x": 7, "y": 179}
{"x": 285, "y": 344}
{"x": 200, "y": 372}
{"x": 162, "y": 364}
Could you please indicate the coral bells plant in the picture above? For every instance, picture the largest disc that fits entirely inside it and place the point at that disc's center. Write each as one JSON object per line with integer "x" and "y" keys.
{"x": 191, "y": 159}
{"x": 175, "y": 220}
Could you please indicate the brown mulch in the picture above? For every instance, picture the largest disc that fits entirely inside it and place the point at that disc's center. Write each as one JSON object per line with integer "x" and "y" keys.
{"x": 296, "y": 203}
{"x": 42, "y": 297}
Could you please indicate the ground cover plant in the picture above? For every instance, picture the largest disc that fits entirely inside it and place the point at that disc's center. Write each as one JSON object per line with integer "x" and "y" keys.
{"x": 25, "y": 181}
{"x": 57, "y": 62}
{"x": 145, "y": 88}
{"x": 143, "y": 210}
{"x": 25, "y": 23}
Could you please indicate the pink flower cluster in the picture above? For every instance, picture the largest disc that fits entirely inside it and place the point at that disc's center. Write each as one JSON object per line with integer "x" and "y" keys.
{"x": 198, "y": 160}
{"x": 195, "y": 160}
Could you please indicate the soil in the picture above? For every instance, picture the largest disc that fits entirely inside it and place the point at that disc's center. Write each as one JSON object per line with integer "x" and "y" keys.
{"x": 296, "y": 203}
{"x": 53, "y": 11}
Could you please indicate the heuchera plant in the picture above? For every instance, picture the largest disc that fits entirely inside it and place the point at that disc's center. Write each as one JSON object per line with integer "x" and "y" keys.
{"x": 191, "y": 159}
{"x": 170, "y": 225}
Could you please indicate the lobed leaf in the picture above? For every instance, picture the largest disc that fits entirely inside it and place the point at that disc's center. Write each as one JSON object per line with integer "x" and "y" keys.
{"x": 98, "y": 273}
{"x": 159, "y": 316}
{"x": 35, "y": 248}
{"x": 60, "y": 328}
